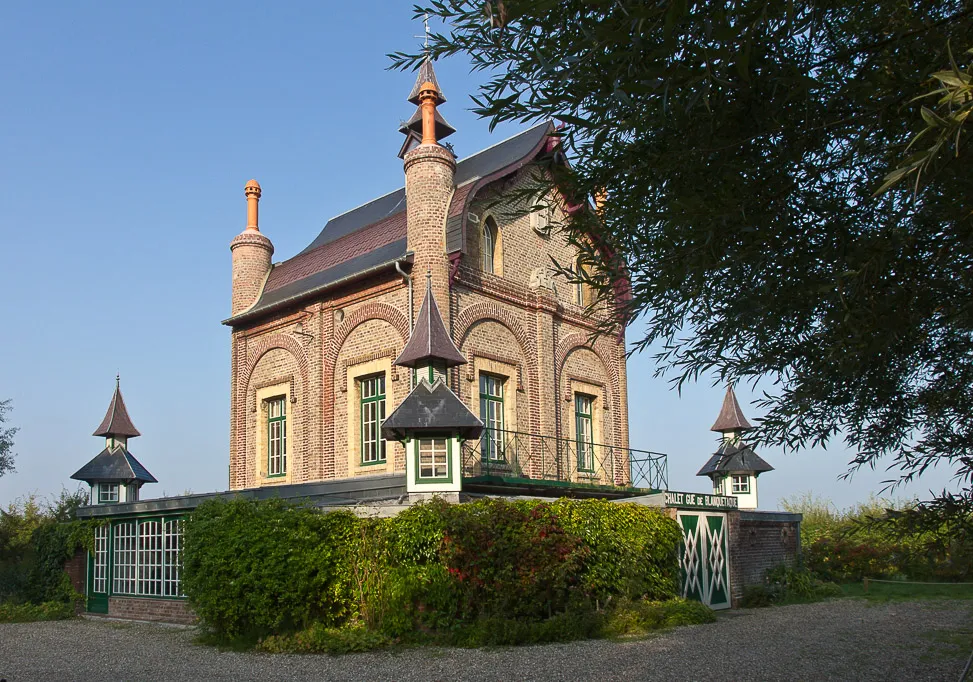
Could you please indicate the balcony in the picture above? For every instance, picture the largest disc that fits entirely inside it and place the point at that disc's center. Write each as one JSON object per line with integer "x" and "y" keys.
{"x": 500, "y": 460}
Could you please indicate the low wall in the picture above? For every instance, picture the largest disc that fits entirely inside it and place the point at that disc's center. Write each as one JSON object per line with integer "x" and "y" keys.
{"x": 760, "y": 541}
{"x": 161, "y": 610}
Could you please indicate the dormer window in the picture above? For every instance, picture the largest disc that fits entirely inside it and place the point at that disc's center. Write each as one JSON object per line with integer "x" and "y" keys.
{"x": 107, "y": 493}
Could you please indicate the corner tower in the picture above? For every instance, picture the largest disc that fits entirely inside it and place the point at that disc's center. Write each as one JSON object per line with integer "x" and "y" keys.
{"x": 251, "y": 252}
{"x": 429, "y": 169}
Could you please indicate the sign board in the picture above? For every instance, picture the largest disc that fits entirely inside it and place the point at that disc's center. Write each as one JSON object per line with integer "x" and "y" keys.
{"x": 700, "y": 500}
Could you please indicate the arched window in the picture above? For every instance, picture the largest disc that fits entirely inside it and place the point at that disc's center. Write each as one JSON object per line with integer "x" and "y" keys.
{"x": 488, "y": 245}
{"x": 579, "y": 297}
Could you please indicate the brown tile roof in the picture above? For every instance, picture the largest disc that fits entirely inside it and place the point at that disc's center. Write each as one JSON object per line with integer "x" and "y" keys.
{"x": 116, "y": 421}
{"x": 731, "y": 416}
{"x": 358, "y": 243}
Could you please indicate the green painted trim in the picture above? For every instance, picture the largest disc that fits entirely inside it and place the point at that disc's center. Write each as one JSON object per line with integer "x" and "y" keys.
{"x": 485, "y": 400}
{"x": 378, "y": 397}
{"x": 550, "y": 483}
{"x": 579, "y": 417}
{"x": 282, "y": 420}
{"x": 449, "y": 459}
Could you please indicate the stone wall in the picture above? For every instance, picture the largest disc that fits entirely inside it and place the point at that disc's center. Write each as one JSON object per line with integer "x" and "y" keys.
{"x": 160, "y": 610}
{"x": 760, "y": 541}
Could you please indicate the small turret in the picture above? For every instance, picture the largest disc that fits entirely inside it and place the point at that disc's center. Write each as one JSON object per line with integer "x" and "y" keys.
{"x": 114, "y": 474}
{"x": 252, "y": 254}
{"x": 734, "y": 467}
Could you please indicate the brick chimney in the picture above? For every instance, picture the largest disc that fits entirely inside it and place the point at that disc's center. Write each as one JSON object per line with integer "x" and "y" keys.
{"x": 251, "y": 252}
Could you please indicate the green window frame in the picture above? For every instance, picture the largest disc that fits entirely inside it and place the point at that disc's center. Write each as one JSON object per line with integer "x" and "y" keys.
{"x": 277, "y": 436}
{"x": 741, "y": 484}
{"x": 371, "y": 392}
{"x": 107, "y": 493}
{"x": 491, "y": 413}
{"x": 433, "y": 454}
{"x": 584, "y": 431}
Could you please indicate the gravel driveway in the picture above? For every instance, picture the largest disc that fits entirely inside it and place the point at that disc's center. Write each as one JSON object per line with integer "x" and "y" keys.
{"x": 841, "y": 640}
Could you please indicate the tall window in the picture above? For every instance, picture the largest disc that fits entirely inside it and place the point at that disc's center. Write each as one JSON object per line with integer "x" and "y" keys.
{"x": 276, "y": 436}
{"x": 372, "y": 391}
{"x": 172, "y": 546}
{"x": 491, "y": 412}
{"x": 741, "y": 485}
{"x": 579, "y": 285}
{"x": 584, "y": 432}
{"x": 99, "y": 581}
{"x": 150, "y": 558}
{"x": 488, "y": 245}
{"x": 147, "y": 558}
{"x": 433, "y": 458}
{"x": 107, "y": 493}
{"x": 125, "y": 558}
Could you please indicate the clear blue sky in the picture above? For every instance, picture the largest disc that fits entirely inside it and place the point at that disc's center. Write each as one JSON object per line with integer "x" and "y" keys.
{"x": 127, "y": 132}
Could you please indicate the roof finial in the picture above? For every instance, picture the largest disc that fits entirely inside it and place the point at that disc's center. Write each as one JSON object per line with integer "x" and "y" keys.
{"x": 428, "y": 279}
{"x": 252, "y": 192}
{"x": 425, "y": 42}
{"x": 118, "y": 379}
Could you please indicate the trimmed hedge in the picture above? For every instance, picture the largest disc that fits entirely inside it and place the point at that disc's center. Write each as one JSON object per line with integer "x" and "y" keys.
{"x": 258, "y": 569}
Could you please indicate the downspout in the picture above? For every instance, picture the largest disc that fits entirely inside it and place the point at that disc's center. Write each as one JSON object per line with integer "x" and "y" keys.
{"x": 408, "y": 279}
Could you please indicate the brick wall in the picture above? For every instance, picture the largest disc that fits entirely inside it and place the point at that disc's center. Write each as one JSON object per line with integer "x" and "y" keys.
{"x": 161, "y": 610}
{"x": 760, "y": 541}
{"x": 77, "y": 569}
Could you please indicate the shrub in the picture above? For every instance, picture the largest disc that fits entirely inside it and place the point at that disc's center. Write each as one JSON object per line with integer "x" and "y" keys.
{"x": 256, "y": 568}
{"x": 788, "y": 585}
{"x": 11, "y": 612}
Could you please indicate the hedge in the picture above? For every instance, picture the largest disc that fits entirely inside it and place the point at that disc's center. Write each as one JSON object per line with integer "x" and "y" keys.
{"x": 255, "y": 569}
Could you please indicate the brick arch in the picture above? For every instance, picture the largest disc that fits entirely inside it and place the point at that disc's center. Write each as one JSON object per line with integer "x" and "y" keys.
{"x": 369, "y": 311}
{"x": 480, "y": 312}
{"x": 284, "y": 342}
{"x": 580, "y": 340}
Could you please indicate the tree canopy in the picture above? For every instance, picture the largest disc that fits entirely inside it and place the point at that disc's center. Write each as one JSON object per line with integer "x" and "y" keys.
{"x": 740, "y": 149}
{"x": 6, "y": 441}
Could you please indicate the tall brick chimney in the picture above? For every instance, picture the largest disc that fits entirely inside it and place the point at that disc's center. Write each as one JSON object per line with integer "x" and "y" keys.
{"x": 251, "y": 252}
{"x": 429, "y": 171}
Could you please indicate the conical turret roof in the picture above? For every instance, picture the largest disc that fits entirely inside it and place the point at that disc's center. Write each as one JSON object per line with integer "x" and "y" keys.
{"x": 116, "y": 421}
{"x": 731, "y": 416}
{"x": 426, "y": 75}
{"x": 429, "y": 341}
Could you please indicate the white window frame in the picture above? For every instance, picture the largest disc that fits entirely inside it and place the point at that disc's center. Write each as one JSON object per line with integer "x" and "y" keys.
{"x": 374, "y": 448}
{"x": 740, "y": 484}
{"x": 433, "y": 456}
{"x": 108, "y": 493}
{"x": 99, "y": 580}
{"x": 489, "y": 237}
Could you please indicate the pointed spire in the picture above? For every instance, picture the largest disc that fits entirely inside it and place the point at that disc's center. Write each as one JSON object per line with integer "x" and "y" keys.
{"x": 116, "y": 421}
{"x": 731, "y": 416}
{"x": 429, "y": 341}
{"x": 426, "y": 75}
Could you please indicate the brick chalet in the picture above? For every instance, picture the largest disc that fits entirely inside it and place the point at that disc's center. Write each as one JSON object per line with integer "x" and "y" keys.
{"x": 420, "y": 344}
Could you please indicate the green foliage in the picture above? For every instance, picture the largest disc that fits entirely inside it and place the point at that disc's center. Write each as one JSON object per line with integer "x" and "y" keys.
{"x": 886, "y": 539}
{"x": 6, "y": 441}
{"x": 36, "y": 539}
{"x": 491, "y": 571}
{"x": 255, "y": 568}
{"x": 737, "y": 147}
{"x": 903, "y": 591}
{"x": 11, "y": 612}
{"x": 788, "y": 585}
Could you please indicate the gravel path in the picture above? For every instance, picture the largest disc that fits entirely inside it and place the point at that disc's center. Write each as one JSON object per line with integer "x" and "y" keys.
{"x": 840, "y": 640}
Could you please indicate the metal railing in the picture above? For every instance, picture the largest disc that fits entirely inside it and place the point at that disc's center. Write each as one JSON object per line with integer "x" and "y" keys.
{"x": 512, "y": 454}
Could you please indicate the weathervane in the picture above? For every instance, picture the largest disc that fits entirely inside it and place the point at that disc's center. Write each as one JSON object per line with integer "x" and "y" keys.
{"x": 425, "y": 41}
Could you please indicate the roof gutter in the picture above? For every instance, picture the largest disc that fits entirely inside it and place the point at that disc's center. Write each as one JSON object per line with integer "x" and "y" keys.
{"x": 408, "y": 279}
{"x": 290, "y": 300}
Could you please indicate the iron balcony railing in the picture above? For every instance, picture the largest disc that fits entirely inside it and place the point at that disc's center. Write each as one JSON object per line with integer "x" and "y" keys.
{"x": 511, "y": 454}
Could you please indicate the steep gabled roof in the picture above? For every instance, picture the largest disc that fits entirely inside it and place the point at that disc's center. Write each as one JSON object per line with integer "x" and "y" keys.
{"x": 734, "y": 458}
{"x": 114, "y": 465}
{"x": 429, "y": 341}
{"x": 116, "y": 421}
{"x": 346, "y": 247}
{"x": 431, "y": 408}
{"x": 731, "y": 416}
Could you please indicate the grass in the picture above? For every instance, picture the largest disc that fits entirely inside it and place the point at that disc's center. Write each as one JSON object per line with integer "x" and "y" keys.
{"x": 886, "y": 592}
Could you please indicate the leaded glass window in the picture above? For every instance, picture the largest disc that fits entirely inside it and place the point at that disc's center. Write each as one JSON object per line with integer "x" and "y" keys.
{"x": 583, "y": 405}
{"x": 277, "y": 436}
{"x": 373, "y": 446}
{"x": 433, "y": 458}
{"x": 491, "y": 412}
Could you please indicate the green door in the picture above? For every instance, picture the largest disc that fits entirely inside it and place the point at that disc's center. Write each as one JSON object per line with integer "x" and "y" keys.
{"x": 703, "y": 558}
{"x": 97, "y": 583}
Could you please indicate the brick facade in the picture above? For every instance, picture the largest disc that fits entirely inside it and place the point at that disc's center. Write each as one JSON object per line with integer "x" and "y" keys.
{"x": 159, "y": 610}
{"x": 522, "y": 323}
{"x": 760, "y": 541}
